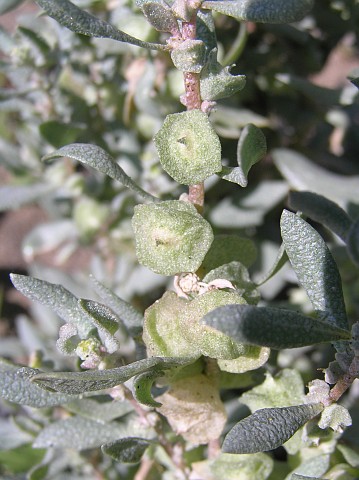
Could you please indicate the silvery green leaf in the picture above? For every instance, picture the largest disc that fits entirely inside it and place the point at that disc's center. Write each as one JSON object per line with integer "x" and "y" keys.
{"x": 79, "y": 21}
{"x": 302, "y": 174}
{"x": 131, "y": 318}
{"x": 94, "y": 380}
{"x": 265, "y": 11}
{"x": 189, "y": 56}
{"x": 229, "y": 122}
{"x": 127, "y": 450}
{"x": 58, "y": 298}
{"x": 16, "y": 386}
{"x": 14, "y": 196}
{"x": 268, "y": 428}
{"x": 79, "y": 433}
{"x": 141, "y": 388}
{"x": 217, "y": 81}
{"x": 160, "y": 16}
{"x": 268, "y": 327}
{"x": 315, "y": 268}
{"x": 321, "y": 210}
{"x": 353, "y": 242}
{"x": 251, "y": 148}
{"x": 101, "y": 411}
{"x": 97, "y": 158}
{"x": 296, "y": 476}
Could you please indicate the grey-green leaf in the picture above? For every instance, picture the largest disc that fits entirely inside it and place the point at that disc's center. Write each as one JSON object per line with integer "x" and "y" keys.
{"x": 322, "y": 210}
{"x": 16, "y": 386}
{"x": 63, "y": 302}
{"x": 251, "y": 148}
{"x": 126, "y": 450}
{"x": 353, "y": 242}
{"x": 271, "y": 327}
{"x": 79, "y": 21}
{"x": 268, "y": 428}
{"x": 94, "y": 380}
{"x": 315, "y": 267}
{"x": 264, "y": 11}
{"x": 131, "y": 318}
{"x": 97, "y": 158}
{"x": 78, "y": 433}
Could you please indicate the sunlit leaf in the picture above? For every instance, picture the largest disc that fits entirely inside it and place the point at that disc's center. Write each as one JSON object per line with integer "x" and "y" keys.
{"x": 321, "y": 210}
{"x": 315, "y": 267}
{"x": 100, "y": 160}
{"x": 58, "y": 298}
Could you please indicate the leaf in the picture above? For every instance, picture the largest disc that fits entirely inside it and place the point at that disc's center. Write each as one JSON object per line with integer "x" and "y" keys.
{"x": 101, "y": 411}
{"x": 188, "y": 147}
{"x": 271, "y": 327}
{"x": 268, "y": 428}
{"x": 321, "y": 210}
{"x": 251, "y": 148}
{"x": 60, "y": 300}
{"x": 105, "y": 320}
{"x": 296, "y": 476}
{"x": 353, "y": 242}
{"x": 160, "y": 16}
{"x": 315, "y": 468}
{"x": 16, "y": 386}
{"x": 100, "y": 160}
{"x": 282, "y": 390}
{"x": 265, "y": 11}
{"x": 194, "y": 409}
{"x": 245, "y": 467}
{"x": 315, "y": 268}
{"x": 171, "y": 236}
{"x": 126, "y": 450}
{"x": 14, "y": 196}
{"x": 142, "y": 385}
{"x": 79, "y": 21}
{"x": 226, "y": 249}
{"x": 302, "y": 174}
{"x": 131, "y": 318}
{"x": 94, "y": 380}
{"x": 189, "y": 56}
{"x": 79, "y": 433}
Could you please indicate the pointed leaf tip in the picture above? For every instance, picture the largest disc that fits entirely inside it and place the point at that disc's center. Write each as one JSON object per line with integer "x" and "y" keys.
{"x": 78, "y": 21}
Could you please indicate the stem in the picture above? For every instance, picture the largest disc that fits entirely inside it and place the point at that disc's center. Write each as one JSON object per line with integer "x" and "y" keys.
{"x": 193, "y": 101}
{"x": 237, "y": 46}
{"x": 341, "y": 386}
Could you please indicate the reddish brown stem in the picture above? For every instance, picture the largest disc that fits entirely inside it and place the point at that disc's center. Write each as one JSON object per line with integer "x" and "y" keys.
{"x": 341, "y": 386}
{"x": 193, "y": 101}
